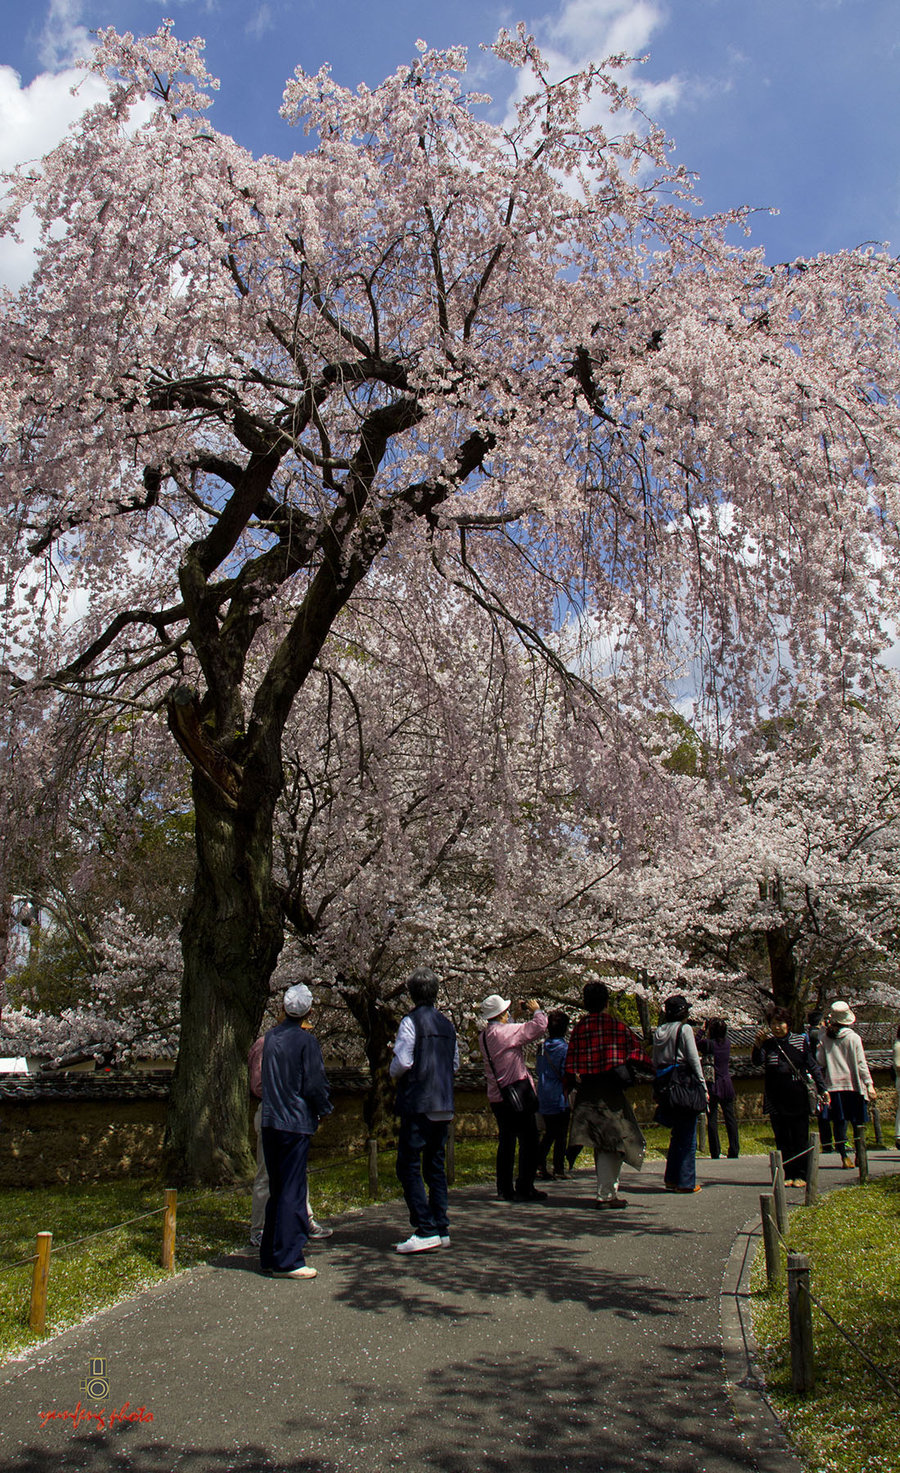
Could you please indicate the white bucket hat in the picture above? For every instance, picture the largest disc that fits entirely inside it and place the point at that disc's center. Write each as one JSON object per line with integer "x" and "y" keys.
{"x": 840, "y": 1013}
{"x": 493, "y": 1006}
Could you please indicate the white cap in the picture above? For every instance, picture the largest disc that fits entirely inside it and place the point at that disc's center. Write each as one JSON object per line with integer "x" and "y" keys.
{"x": 298, "y": 1000}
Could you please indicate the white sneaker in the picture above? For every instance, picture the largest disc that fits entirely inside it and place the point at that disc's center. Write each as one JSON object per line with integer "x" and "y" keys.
{"x": 415, "y": 1244}
{"x": 303, "y": 1272}
{"x": 445, "y": 1240}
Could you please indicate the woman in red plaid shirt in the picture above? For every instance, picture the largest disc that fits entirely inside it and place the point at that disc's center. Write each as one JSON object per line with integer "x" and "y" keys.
{"x": 602, "y": 1057}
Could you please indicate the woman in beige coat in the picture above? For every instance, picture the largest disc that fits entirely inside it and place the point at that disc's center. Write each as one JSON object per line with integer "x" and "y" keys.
{"x": 847, "y": 1075}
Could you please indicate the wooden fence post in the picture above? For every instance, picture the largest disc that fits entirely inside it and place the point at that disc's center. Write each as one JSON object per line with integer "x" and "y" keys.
{"x": 862, "y": 1153}
{"x": 39, "y": 1282}
{"x": 777, "y": 1168}
{"x": 770, "y": 1241}
{"x": 702, "y": 1134}
{"x": 876, "y": 1122}
{"x": 372, "y": 1152}
{"x": 812, "y": 1170}
{"x": 803, "y": 1368}
{"x": 168, "y": 1242}
{"x": 451, "y": 1154}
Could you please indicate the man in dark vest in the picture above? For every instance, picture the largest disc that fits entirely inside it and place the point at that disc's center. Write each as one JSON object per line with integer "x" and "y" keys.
{"x": 426, "y": 1057}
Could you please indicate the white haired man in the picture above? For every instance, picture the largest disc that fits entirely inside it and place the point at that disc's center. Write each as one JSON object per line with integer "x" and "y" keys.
{"x": 294, "y": 1099}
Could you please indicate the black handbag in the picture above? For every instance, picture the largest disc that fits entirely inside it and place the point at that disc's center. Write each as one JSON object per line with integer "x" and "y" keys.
{"x": 686, "y": 1092}
{"x": 677, "y": 1088}
{"x": 519, "y": 1095}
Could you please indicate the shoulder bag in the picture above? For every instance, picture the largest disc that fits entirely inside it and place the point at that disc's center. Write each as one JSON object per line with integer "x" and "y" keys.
{"x": 519, "y": 1095}
{"x": 677, "y": 1087}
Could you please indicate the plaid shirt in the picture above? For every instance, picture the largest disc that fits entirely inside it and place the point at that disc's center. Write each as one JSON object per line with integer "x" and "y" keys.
{"x": 599, "y": 1043}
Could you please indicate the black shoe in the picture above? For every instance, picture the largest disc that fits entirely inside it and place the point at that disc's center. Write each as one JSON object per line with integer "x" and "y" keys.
{"x": 532, "y": 1196}
{"x": 507, "y": 1197}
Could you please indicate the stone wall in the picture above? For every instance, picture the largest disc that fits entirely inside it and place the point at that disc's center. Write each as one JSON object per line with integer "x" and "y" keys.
{"x": 100, "y": 1130}
{"x": 53, "y": 1142}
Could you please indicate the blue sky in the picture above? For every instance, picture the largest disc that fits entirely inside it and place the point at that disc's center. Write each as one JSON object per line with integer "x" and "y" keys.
{"x": 787, "y": 103}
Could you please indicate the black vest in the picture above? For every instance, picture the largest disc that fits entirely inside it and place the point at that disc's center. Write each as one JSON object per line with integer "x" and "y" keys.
{"x": 427, "y": 1088}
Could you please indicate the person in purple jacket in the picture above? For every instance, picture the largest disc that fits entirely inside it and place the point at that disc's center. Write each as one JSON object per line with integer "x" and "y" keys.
{"x": 715, "y": 1047}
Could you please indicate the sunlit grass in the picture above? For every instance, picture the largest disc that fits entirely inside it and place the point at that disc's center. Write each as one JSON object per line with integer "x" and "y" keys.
{"x": 848, "y": 1423}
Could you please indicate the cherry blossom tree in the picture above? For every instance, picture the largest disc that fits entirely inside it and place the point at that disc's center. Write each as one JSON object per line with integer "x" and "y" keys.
{"x": 432, "y": 776}
{"x": 797, "y": 896}
{"x": 129, "y": 1005}
{"x": 235, "y": 388}
{"x": 96, "y": 827}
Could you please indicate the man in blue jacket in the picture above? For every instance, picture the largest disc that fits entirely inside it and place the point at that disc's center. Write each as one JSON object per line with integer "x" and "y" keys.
{"x": 426, "y": 1057}
{"x": 294, "y": 1098}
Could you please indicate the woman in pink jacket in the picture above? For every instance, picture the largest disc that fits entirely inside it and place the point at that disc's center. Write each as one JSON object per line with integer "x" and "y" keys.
{"x": 505, "y": 1073}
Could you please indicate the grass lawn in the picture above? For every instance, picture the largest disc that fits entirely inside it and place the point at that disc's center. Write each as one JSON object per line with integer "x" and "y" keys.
{"x": 848, "y": 1423}
{"x": 86, "y": 1276}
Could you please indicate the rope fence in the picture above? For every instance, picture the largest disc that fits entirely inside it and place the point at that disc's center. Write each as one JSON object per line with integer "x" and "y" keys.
{"x": 773, "y": 1211}
{"x": 45, "y": 1249}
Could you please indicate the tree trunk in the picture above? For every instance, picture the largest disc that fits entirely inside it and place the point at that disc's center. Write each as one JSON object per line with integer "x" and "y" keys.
{"x": 231, "y": 937}
{"x": 378, "y": 1023}
{"x": 643, "y": 1008}
{"x": 783, "y": 972}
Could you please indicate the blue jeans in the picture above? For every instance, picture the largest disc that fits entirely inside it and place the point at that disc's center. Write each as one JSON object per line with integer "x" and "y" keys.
{"x": 287, "y": 1226}
{"x": 421, "y": 1145}
{"x": 682, "y": 1153}
{"x": 556, "y": 1131}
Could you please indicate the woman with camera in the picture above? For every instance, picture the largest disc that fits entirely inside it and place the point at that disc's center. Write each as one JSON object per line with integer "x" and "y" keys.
{"x": 511, "y": 1094}
{"x": 788, "y": 1068}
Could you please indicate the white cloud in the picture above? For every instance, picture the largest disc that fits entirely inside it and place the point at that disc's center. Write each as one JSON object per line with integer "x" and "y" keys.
{"x": 260, "y": 23}
{"x": 592, "y": 29}
{"x": 33, "y": 120}
{"x": 64, "y": 39}
{"x": 586, "y": 31}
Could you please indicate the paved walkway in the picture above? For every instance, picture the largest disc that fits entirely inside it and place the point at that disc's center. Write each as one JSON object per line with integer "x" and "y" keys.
{"x": 550, "y": 1337}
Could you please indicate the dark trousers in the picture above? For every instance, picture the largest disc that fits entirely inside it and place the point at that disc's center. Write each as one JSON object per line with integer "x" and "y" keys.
{"x": 556, "y": 1130}
{"x": 516, "y": 1126}
{"x": 286, "y": 1227}
{"x": 681, "y": 1157}
{"x": 791, "y": 1129}
{"x": 847, "y": 1108}
{"x": 729, "y": 1115}
{"x": 421, "y": 1146}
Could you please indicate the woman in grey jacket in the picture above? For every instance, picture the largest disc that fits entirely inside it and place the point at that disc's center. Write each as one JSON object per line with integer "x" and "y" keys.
{"x": 674, "y": 1043}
